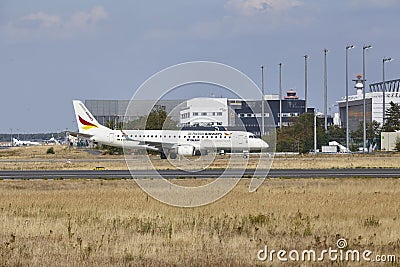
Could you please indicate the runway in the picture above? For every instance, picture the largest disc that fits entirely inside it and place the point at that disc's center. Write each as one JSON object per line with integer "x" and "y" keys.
{"x": 173, "y": 174}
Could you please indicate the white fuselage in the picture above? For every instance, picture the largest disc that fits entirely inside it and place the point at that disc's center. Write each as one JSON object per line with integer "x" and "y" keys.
{"x": 219, "y": 140}
{"x": 17, "y": 142}
{"x": 172, "y": 142}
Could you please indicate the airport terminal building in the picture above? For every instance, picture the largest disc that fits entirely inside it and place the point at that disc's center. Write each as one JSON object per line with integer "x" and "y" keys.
{"x": 373, "y": 103}
{"x": 230, "y": 113}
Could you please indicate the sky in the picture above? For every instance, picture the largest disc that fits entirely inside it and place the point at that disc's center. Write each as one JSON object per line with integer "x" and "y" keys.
{"x": 55, "y": 51}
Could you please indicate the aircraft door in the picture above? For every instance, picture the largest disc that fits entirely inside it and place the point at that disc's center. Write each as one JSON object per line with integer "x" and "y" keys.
{"x": 239, "y": 141}
{"x": 111, "y": 137}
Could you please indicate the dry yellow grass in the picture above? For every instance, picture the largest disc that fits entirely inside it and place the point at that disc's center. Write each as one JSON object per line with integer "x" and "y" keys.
{"x": 35, "y": 158}
{"x": 95, "y": 222}
{"x": 39, "y": 152}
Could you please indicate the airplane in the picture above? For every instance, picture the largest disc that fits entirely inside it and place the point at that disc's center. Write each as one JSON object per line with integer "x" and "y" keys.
{"x": 52, "y": 141}
{"x": 172, "y": 143}
{"x": 17, "y": 142}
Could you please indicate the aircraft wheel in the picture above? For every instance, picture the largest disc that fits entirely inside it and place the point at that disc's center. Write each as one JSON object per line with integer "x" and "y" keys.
{"x": 204, "y": 152}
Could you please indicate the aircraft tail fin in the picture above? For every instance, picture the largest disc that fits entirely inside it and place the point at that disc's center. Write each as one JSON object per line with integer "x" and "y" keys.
{"x": 86, "y": 121}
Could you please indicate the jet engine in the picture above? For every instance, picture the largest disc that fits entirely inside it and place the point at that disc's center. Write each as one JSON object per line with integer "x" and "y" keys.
{"x": 186, "y": 150}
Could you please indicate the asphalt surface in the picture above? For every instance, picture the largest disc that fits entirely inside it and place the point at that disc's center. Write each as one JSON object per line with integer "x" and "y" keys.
{"x": 171, "y": 174}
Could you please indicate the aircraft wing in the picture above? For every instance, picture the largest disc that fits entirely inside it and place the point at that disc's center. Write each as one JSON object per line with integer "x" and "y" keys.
{"x": 76, "y": 134}
{"x": 156, "y": 146}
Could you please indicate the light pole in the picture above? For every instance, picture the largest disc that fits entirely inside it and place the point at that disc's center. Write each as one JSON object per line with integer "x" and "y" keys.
{"x": 384, "y": 60}
{"x": 262, "y": 101}
{"x": 305, "y": 83}
{"x": 315, "y": 131}
{"x": 11, "y": 138}
{"x": 347, "y": 94}
{"x": 280, "y": 95}
{"x": 325, "y": 91}
{"x": 365, "y": 47}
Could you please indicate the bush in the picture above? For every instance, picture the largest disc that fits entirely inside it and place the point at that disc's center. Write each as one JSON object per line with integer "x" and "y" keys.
{"x": 397, "y": 146}
{"x": 50, "y": 151}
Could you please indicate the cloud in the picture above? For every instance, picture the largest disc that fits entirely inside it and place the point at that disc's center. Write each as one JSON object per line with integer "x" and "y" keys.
{"x": 86, "y": 20}
{"x": 256, "y": 7}
{"x": 40, "y": 20}
{"x": 252, "y": 17}
{"x": 42, "y": 26}
{"x": 240, "y": 18}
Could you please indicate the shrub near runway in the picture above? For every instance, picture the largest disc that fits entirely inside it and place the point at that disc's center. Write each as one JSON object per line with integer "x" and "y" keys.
{"x": 86, "y": 223}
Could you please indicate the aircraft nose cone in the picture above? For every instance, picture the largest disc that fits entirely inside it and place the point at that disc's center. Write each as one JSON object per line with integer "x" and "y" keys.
{"x": 264, "y": 144}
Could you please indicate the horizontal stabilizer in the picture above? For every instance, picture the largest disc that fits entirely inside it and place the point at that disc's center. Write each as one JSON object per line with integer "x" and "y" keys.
{"x": 80, "y": 135}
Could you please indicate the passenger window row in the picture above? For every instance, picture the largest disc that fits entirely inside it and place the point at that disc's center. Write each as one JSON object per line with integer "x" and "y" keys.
{"x": 179, "y": 136}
